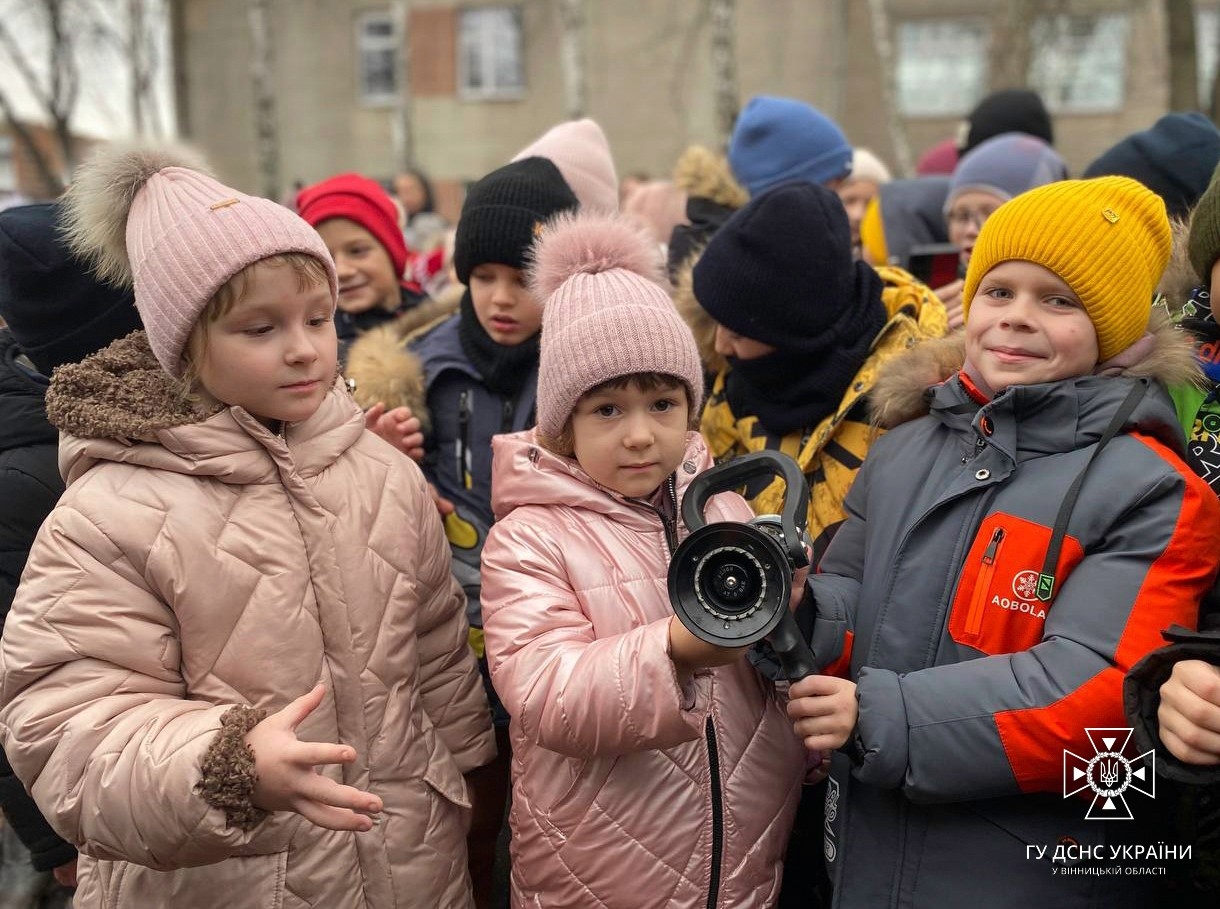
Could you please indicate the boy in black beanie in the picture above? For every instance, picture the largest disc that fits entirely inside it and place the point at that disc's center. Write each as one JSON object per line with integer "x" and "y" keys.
{"x": 804, "y": 328}
{"x": 56, "y": 313}
{"x": 479, "y": 370}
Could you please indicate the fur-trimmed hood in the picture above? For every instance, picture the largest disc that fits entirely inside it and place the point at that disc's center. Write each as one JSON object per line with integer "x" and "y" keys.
{"x": 1179, "y": 278}
{"x": 382, "y": 367}
{"x": 901, "y": 391}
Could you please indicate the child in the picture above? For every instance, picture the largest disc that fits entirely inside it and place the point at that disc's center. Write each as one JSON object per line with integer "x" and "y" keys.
{"x": 361, "y": 227}
{"x": 649, "y": 768}
{"x": 804, "y": 327}
{"x": 239, "y": 585}
{"x": 1010, "y": 551}
{"x": 478, "y": 371}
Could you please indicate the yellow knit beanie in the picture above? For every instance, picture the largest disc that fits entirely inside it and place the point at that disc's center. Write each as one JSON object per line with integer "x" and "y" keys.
{"x": 1107, "y": 238}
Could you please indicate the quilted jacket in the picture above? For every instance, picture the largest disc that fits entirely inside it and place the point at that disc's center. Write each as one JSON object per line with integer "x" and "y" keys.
{"x": 627, "y": 791}
{"x": 980, "y": 659}
{"x": 200, "y": 565}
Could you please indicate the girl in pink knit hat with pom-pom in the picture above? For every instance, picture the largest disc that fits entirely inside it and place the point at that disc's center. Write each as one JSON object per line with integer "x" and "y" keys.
{"x": 649, "y": 768}
{"x": 235, "y": 673}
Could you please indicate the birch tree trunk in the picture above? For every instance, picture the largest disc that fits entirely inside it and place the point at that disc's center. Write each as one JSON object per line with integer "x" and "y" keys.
{"x": 402, "y": 133}
{"x": 1183, "y": 55}
{"x": 573, "y": 21}
{"x": 722, "y": 14}
{"x": 266, "y": 128}
{"x": 880, "y": 18}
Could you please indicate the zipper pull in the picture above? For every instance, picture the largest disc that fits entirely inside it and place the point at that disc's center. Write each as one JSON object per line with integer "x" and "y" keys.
{"x": 993, "y": 546}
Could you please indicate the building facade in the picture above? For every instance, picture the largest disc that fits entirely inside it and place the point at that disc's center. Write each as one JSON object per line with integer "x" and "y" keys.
{"x": 485, "y": 80}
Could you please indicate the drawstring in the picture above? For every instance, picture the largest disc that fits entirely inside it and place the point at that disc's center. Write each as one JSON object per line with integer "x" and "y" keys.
{"x": 1046, "y": 579}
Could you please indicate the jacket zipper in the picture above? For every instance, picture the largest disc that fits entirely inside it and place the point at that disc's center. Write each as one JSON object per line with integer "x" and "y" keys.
{"x": 507, "y": 409}
{"x": 713, "y": 759}
{"x": 463, "y": 453}
{"x": 978, "y": 602}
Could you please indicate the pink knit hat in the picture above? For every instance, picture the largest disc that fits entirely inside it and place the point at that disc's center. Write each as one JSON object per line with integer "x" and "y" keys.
{"x": 606, "y": 313}
{"x": 580, "y": 150}
{"x": 155, "y": 218}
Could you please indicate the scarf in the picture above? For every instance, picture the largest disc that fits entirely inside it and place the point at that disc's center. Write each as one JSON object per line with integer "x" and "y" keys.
{"x": 504, "y": 369}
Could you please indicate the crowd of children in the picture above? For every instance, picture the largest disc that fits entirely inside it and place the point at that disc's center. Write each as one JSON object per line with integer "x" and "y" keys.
{"x": 326, "y": 567}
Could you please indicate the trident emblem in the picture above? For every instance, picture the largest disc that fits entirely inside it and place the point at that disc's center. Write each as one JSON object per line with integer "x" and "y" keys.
{"x": 1109, "y": 774}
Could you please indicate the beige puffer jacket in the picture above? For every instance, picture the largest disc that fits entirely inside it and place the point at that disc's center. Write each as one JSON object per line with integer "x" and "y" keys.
{"x": 199, "y": 566}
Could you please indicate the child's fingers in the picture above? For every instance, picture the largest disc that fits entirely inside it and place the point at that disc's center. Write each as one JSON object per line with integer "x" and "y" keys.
{"x": 323, "y": 790}
{"x": 303, "y": 706}
{"x": 373, "y": 414}
{"x": 815, "y": 686}
{"x": 316, "y": 754}
{"x": 810, "y": 708}
{"x": 335, "y": 818}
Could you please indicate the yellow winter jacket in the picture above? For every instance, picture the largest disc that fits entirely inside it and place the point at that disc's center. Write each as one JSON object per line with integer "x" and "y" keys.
{"x": 831, "y": 452}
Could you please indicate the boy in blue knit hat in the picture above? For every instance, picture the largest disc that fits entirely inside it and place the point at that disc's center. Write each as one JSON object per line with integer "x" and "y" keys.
{"x": 781, "y": 139}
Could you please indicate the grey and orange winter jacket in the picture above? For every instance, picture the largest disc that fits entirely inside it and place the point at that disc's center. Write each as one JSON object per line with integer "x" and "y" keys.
{"x": 201, "y": 568}
{"x": 972, "y": 685}
{"x": 628, "y": 791}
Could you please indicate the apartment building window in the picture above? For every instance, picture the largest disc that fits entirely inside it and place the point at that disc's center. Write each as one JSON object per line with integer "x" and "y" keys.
{"x": 377, "y": 58}
{"x": 1079, "y": 63}
{"x": 1207, "y": 34}
{"x": 490, "y": 59}
{"x": 942, "y": 66}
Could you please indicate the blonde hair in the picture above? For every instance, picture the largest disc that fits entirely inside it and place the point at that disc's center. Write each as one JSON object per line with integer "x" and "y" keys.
{"x": 309, "y": 272}
{"x": 564, "y": 444}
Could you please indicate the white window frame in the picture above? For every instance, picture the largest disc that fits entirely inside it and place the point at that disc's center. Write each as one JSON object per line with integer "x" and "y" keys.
{"x": 367, "y": 44}
{"x": 8, "y": 164}
{"x": 948, "y": 64}
{"x": 1207, "y": 54}
{"x": 475, "y": 27}
{"x": 1049, "y": 60}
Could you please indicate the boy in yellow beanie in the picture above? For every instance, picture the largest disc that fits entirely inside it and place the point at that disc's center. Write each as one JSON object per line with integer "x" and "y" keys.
{"x": 1012, "y": 548}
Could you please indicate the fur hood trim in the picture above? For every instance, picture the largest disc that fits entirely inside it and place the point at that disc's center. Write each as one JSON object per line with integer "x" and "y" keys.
{"x": 1179, "y": 278}
{"x": 382, "y": 367}
{"x": 120, "y": 392}
{"x": 701, "y": 325}
{"x": 900, "y": 393}
{"x": 702, "y": 173}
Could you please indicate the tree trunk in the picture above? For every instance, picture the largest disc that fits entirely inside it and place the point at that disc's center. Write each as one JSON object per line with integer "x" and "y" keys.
{"x": 1183, "y": 55}
{"x": 572, "y": 21}
{"x": 840, "y": 17}
{"x": 402, "y": 133}
{"x": 1010, "y": 50}
{"x": 52, "y": 180}
{"x": 135, "y": 59}
{"x": 885, "y": 59}
{"x": 724, "y": 66}
{"x": 265, "y": 126}
{"x": 65, "y": 82}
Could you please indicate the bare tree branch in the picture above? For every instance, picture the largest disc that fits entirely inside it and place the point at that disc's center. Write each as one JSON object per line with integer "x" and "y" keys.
{"x": 45, "y": 171}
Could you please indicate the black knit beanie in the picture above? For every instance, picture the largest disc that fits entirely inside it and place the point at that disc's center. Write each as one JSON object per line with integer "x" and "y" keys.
{"x": 781, "y": 271}
{"x": 1174, "y": 158}
{"x": 504, "y": 212}
{"x": 54, "y": 306}
{"x": 1011, "y": 110}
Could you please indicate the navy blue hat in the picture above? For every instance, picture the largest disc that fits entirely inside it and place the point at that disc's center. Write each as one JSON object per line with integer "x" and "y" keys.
{"x": 781, "y": 271}
{"x": 780, "y": 139}
{"x": 1175, "y": 158}
{"x": 54, "y": 306}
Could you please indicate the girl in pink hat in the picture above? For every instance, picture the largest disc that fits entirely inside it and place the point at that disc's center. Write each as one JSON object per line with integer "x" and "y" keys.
{"x": 235, "y": 673}
{"x": 649, "y": 768}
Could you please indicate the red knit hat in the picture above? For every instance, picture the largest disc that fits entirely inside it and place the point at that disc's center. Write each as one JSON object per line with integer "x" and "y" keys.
{"x": 362, "y": 201}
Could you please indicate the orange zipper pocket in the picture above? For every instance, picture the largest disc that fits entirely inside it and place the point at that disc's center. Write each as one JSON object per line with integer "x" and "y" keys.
{"x": 978, "y": 602}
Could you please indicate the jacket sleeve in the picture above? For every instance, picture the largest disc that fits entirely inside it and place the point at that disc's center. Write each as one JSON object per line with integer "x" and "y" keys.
{"x": 450, "y": 685}
{"x": 572, "y": 692}
{"x": 28, "y": 496}
{"x": 93, "y": 714}
{"x": 999, "y": 725}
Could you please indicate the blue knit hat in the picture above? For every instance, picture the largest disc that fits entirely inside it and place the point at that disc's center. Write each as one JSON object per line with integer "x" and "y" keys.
{"x": 781, "y": 139}
{"x": 1174, "y": 158}
{"x": 1006, "y": 166}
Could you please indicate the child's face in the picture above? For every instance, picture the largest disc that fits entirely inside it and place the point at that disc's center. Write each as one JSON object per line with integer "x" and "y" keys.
{"x": 630, "y": 440}
{"x": 731, "y": 344}
{"x": 366, "y": 274}
{"x": 274, "y": 352}
{"x": 504, "y": 306}
{"x": 855, "y": 195}
{"x": 966, "y": 217}
{"x": 1027, "y": 326}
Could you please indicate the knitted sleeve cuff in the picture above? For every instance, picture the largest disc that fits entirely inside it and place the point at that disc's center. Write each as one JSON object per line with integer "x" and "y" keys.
{"x": 227, "y": 770}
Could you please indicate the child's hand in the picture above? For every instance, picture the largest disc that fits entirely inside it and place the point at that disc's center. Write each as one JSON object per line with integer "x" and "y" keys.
{"x": 1190, "y": 712}
{"x": 287, "y": 780}
{"x": 690, "y": 653}
{"x": 823, "y": 709}
{"x": 951, "y": 296}
{"x": 399, "y": 427}
{"x": 443, "y": 506}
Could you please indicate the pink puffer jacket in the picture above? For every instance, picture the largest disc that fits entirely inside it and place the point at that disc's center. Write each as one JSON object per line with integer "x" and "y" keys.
{"x": 198, "y": 566}
{"x": 626, "y": 794}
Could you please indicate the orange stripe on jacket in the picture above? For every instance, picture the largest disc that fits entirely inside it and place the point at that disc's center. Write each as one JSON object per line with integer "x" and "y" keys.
{"x": 1035, "y": 738}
